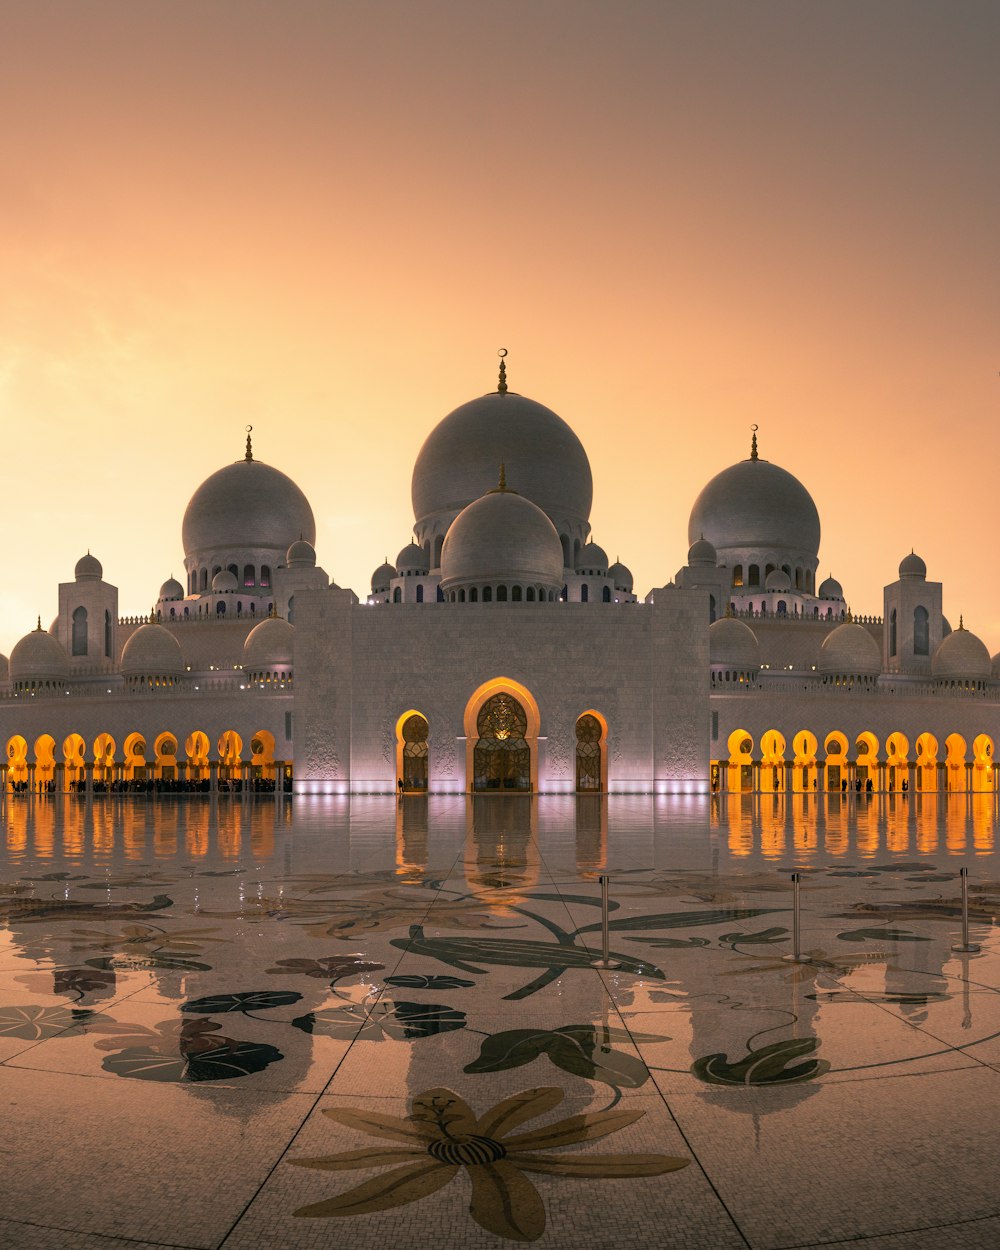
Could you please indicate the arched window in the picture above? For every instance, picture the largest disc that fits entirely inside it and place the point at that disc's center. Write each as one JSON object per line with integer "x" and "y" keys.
{"x": 235, "y": 570}
{"x": 502, "y": 757}
{"x": 80, "y": 631}
{"x": 606, "y": 594}
{"x": 397, "y": 595}
{"x": 782, "y": 608}
{"x": 109, "y": 635}
{"x": 768, "y": 569}
{"x": 440, "y": 595}
{"x": 487, "y": 594}
{"x": 515, "y": 595}
{"x": 414, "y": 732}
{"x": 217, "y": 569}
{"x": 473, "y": 595}
{"x": 798, "y": 579}
{"x": 204, "y": 580}
{"x": 220, "y": 608}
{"x": 753, "y": 575}
{"x": 420, "y": 594}
{"x": 501, "y": 594}
{"x": 265, "y": 575}
{"x": 461, "y": 596}
{"x": 711, "y": 609}
{"x": 249, "y": 578}
{"x": 584, "y": 593}
{"x": 738, "y": 575}
{"x": 531, "y": 594}
{"x": 438, "y": 544}
{"x": 921, "y": 632}
{"x": 588, "y": 753}
{"x": 892, "y": 632}
{"x": 564, "y": 539}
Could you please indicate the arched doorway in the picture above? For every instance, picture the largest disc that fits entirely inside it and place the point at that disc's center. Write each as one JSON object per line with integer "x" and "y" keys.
{"x": 412, "y": 752}
{"x": 104, "y": 761}
{"x": 494, "y": 721}
{"x": 866, "y": 766}
{"x": 835, "y": 749}
{"x": 927, "y": 764}
{"x": 772, "y": 762}
{"x": 804, "y": 772}
{"x": 17, "y": 763}
{"x": 897, "y": 761}
{"x": 73, "y": 751}
{"x": 165, "y": 750}
{"x": 502, "y": 757}
{"x": 134, "y": 765}
{"x": 262, "y": 766}
{"x": 230, "y": 757}
{"x": 45, "y": 762}
{"x": 982, "y": 764}
{"x": 740, "y": 762}
{"x": 196, "y": 750}
{"x": 955, "y": 778}
{"x": 591, "y": 755}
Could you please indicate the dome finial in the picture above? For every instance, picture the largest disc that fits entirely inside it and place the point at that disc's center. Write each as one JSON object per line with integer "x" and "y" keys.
{"x": 850, "y": 615}
{"x": 38, "y": 627}
{"x": 502, "y": 384}
{"x": 753, "y": 443}
{"x": 961, "y": 621}
{"x": 249, "y": 452}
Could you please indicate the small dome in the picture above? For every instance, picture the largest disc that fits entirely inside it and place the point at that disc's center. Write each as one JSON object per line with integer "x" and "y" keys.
{"x": 381, "y": 578}
{"x": 88, "y": 566}
{"x": 412, "y": 559}
{"x": 912, "y": 566}
{"x": 995, "y": 666}
{"x": 621, "y": 575}
{"x": 962, "y": 656}
{"x": 733, "y": 644}
{"x": 224, "y": 582}
{"x": 269, "y": 646}
{"x": 246, "y": 505}
{"x": 502, "y": 537}
{"x": 152, "y": 651}
{"x": 755, "y": 504}
{"x": 592, "y": 557}
{"x": 39, "y": 657}
{"x": 171, "y": 589}
{"x": 777, "y": 579}
{"x": 301, "y": 555}
{"x": 702, "y": 552}
{"x": 850, "y": 651}
{"x": 831, "y": 589}
{"x": 4, "y": 669}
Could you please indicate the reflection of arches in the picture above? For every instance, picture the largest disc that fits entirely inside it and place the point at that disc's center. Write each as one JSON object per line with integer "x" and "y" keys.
{"x": 196, "y": 750}
{"x": 230, "y": 759}
{"x": 262, "y": 755}
{"x": 73, "y": 749}
{"x": 412, "y": 752}
{"x": 17, "y": 761}
{"x": 503, "y": 720}
{"x": 897, "y": 764}
{"x": 954, "y": 763}
{"x": 804, "y": 772}
{"x": 591, "y": 752}
{"x": 927, "y": 767}
{"x": 165, "y": 751}
{"x": 771, "y": 777}
{"x": 982, "y": 764}
{"x": 45, "y": 761}
{"x": 134, "y": 763}
{"x": 740, "y": 761}
{"x": 835, "y": 749}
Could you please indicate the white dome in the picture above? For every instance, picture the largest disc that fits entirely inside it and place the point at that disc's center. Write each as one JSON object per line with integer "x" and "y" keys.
{"x": 269, "y": 646}
{"x": 850, "y": 651}
{"x": 381, "y": 578}
{"x": 246, "y": 505}
{"x": 962, "y": 656}
{"x": 912, "y": 566}
{"x": 777, "y": 579}
{"x": 733, "y": 644}
{"x": 755, "y": 504}
{"x": 412, "y": 559}
{"x": 592, "y": 557}
{"x": 621, "y": 575}
{"x": 152, "y": 651}
{"x": 995, "y": 666}
{"x": 831, "y": 589}
{"x": 301, "y": 555}
{"x": 502, "y": 537}
{"x": 459, "y": 460}
{"x": 702, "y": 552}
{"x": 224, "y": 582}
{"x": 171, "y": 589}
{"x": 87, "y": 567}
{"x": 39, "y": 657}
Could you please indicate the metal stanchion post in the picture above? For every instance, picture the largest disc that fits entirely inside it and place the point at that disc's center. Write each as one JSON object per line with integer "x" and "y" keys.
{"x": 965, "y": 947}
{"x": 796, "y": 957}
{"x": 605, "y": 961}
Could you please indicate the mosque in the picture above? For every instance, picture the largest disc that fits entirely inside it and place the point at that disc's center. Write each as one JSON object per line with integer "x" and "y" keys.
{"x": 502, "y": 651}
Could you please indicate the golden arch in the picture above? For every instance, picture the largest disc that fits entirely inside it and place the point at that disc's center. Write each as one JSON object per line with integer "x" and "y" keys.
{"x": 772, "y": 762}
{"x": 73, "y": 749}
{"x": 983, "y": 772}
{"x": 835, "y": 750}
{"x": 17, "y": 763}
{"x": 134, "y": 763}
{"x": 165, "y": 751}
{"x": 927, "y": 764}
{"x": 104, "y": 758}
{"x": 196, "y": 749}
{"x": 230, "y": 755}
{"x": 412, "y": 767}
{"x": 954, "y": 764}
{"x": 482, "y": 695}
{"x": 45, "y": 761}
{"x": 262, "y": 756}
{"x": 591, "y": 753}
{"x": 804, "y": 770}
{"x": 897, "y": 761}
{"x": 740, "y": 746}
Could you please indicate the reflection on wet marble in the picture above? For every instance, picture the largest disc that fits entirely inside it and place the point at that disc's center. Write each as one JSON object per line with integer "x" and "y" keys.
{"x": 253, "y": 1023}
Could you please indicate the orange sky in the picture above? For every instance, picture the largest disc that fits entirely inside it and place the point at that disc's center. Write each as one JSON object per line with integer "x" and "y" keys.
{"x": 324, "y": 218}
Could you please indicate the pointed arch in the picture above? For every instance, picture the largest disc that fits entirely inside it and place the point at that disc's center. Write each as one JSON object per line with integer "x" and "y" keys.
{"x": 927, "y": 763}
{"x": 740, "y": 746}
{"x": 591, "y": 752}
{"x": 804, "y": 771}
{"x": 772, "y": 762}
{"x": 954, "y": 764}
{"x": 412, "y": 751}
{"x": 982, "y": 765}
{"x": 480, "y": 697}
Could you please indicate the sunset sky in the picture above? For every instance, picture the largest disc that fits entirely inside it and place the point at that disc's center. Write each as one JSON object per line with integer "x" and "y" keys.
{"x": 324, "y": 218}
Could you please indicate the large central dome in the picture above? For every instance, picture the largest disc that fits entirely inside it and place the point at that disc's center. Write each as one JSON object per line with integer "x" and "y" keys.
{"x": 247, "y": 505}
{"x": 459, "y": 460}
{"x": 754, "y": 504}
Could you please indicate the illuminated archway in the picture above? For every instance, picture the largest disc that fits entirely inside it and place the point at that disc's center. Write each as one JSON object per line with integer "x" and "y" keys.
{"x": 771, "y": 778}
{"x": 740, "y": 761}
{"x": 230, "y": 757}
{"x": 73, "y": 749}
{"x": 134, "y": 762}
{"x": 104, "y": 759}
{"x": 927, "y": 764}
{"x": 866, "y": 761}
{"x": 804, "y": 771}
{"x": 897, "y": 761}
{"x": 835, "y": 750}
{"x": 17, "y": 763}
{"x": 954, "y": 764}
{"x": 165, "y": 749}
{"x": 591, "y": 752}
{"x": 525, "y": 700}
{"x": 412, "y": 752}
{"x": 982, "y": 765}
{"x": 196, "y": 751}
{"x": 262, "y": 756}
{"x": 45, "y": 762}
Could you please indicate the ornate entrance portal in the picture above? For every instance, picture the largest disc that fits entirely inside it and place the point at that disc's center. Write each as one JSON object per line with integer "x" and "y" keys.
{"x": 502, "y": 757}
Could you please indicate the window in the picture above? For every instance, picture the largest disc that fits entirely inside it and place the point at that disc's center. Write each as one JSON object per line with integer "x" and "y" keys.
{"x": 420, "y": 594}
{"x": 249, "y": 576}
{"x": 921, "y": 632}
{"x": 584, "y": 593}
{"x": 109, "y": 634}
{"x": 204, "y": 580}
{"x": 515, "y": 595}
{"x": 753, "y": 575}
{"x": 80, "y": 631}
{"x": 606, "y": 595}
{"x": 473, "y": 595}
{"x": 487, "y": 594}
{"x": 892, "y": 632}
{"x": 530, "y": 598}
{"x": 440, "y": 595}
{"x": 738, "y": 575}
{"x": 397, "y": 595}
{"x": 711, "y": 609}
{"x": 265, "y": 575}
{"x": 235, "y": 570}
{"x": 588, "y": 753}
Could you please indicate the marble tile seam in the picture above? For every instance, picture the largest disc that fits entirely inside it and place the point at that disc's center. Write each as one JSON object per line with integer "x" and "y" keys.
{"x": 113, "y": 1239}
{"x": 872, "y": 1238}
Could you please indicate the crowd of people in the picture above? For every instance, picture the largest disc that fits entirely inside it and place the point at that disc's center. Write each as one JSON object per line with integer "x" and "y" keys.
{"x": 160, "y": 785}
